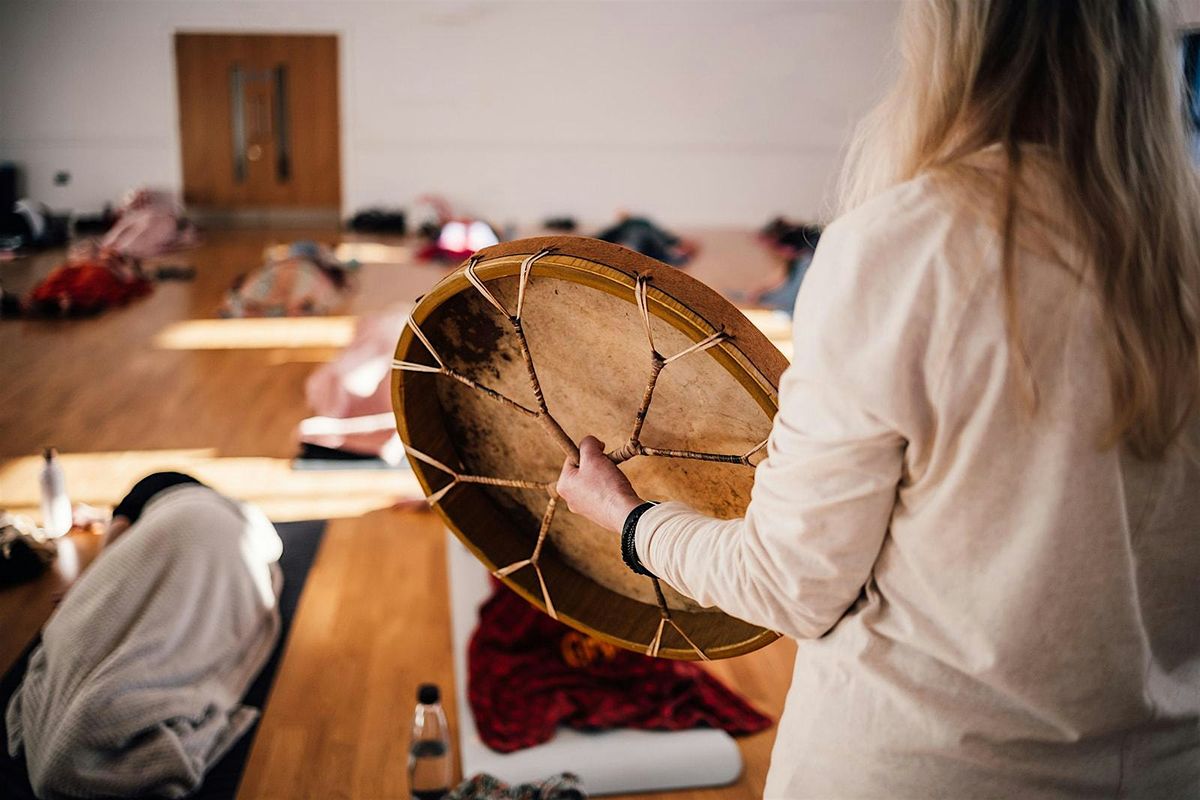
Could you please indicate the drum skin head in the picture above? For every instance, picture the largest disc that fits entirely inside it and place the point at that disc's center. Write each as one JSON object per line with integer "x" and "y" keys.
{"x": 587, "y": 339}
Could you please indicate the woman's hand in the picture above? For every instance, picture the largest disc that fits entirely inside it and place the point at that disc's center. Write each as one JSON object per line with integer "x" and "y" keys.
{"x": 597, "y": 489}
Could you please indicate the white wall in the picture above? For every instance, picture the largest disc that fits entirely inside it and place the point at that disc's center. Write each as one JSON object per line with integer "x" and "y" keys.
{"x": 1187, "y": 13}
{"x": 699, "y": 113}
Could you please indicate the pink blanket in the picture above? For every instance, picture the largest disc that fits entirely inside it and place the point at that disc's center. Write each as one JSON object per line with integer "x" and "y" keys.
{"x": 351, "y": 396}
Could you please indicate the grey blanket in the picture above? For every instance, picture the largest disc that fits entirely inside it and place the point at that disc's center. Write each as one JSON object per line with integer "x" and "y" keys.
{"x": 136, "y": 686}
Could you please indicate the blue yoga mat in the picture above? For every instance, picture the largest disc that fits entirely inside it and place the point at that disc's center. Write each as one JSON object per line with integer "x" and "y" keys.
{"x": 300, "y": 543}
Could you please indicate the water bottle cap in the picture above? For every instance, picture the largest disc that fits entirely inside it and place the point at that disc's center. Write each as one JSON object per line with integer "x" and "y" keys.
{"x": 49, "y": 453}
{"x": 428, "y": 694}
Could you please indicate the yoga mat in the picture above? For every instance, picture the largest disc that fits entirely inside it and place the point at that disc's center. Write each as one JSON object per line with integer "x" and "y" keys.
{"x": 620, "y": 761}
{"x": 314, "y": 457}
{"x": 300, "y": 543}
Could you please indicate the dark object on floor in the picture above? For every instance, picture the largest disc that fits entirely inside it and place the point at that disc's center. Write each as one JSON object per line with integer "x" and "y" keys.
{"x": 175, "y": 272}
{"x": 300, "y": 543}
{"x": 565, "y": 786}
{"x": 24, "y": 554}
{"x": 573, "y": 680}
{"x": 314, "y": 457}
{"x": 791, "y": 237}
{"x": 96, "y": 223}
{"x": 10, "y": 222}
{"x": 647, "y": 238}
{"x": 316, "y": 451}
{"x": 20, "y": 561}
{"x": 36, "y": 225}
{"x": 26, "y": 224}
{"x": 379, "y": 220}
{"x": 565, "y": 224}
{"x": 10, "y": 305}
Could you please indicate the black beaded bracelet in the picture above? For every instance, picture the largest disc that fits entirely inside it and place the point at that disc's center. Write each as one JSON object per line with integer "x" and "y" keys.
{"x": 628, "y": 531}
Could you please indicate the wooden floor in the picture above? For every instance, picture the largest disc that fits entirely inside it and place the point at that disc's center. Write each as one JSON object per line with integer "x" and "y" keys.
{"x": 159, "y": 385}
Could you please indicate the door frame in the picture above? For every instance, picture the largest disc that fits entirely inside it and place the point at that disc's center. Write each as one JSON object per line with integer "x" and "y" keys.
{"x": 270, "y": 217}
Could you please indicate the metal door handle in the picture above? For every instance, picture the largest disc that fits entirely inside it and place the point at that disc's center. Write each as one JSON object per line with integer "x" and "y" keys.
{"x": 283, "y": 157}
{"x": 237, "y": 80}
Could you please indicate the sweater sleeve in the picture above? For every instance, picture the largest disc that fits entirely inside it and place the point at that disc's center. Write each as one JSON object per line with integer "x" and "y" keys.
{"x": 823, "y": 497}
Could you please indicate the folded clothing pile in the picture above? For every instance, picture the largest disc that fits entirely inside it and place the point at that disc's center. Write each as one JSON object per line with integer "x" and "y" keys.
{"x": 308, "y": 280}
{"x": 149, "y": 223}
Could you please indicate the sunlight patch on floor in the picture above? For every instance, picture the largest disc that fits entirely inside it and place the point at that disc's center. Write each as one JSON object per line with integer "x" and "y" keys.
{"x": 284, "y": 494}
{"x": 257, "y": 334}
{"x": 362, "y": 252}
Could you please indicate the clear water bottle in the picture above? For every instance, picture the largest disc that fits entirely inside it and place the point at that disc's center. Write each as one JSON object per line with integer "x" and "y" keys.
{"x": 56, "y": 506}
{"x": 430, "y": 761}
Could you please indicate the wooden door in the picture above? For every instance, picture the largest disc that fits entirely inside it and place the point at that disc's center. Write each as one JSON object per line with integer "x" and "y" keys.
{"x": 258, "y": 120}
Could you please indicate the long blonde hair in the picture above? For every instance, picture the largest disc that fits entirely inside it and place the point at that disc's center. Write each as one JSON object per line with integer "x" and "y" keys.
{"x": 1094, "y": 88}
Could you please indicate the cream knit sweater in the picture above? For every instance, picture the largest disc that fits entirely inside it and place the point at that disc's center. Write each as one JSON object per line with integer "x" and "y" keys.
{"x": 987, "y": 602}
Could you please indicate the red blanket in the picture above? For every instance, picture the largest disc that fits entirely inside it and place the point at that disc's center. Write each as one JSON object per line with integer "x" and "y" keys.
{"x": 85, "y": 287}
{"x": 530, "y": 674}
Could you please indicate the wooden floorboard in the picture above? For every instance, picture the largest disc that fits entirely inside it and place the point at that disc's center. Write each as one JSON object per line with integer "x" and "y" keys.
{"x": 155, "y": 386}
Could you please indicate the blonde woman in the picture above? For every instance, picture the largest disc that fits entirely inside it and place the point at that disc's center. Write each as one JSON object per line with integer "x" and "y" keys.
{"x": 980, "y": 513}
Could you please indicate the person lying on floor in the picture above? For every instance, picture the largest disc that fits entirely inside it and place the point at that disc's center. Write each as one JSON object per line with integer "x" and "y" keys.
{"x": 136, "y": 686}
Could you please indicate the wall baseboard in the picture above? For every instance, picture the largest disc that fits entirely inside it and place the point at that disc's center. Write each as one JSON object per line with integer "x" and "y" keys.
{"x": 265, "y": 217}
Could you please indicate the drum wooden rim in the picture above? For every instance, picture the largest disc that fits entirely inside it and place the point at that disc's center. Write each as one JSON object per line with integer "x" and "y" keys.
{"x": 677, "y": 298}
